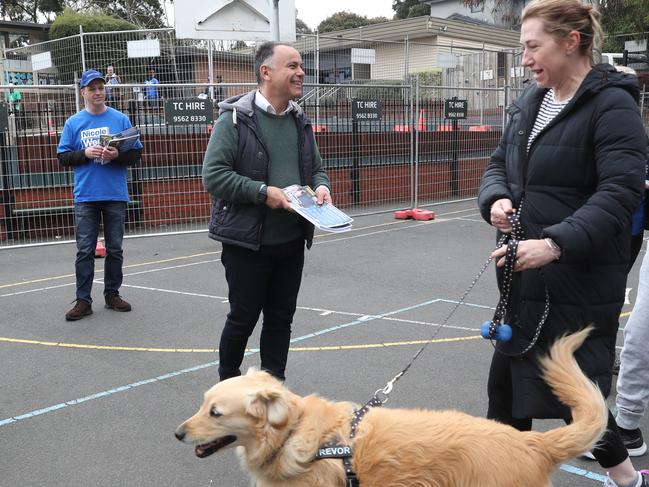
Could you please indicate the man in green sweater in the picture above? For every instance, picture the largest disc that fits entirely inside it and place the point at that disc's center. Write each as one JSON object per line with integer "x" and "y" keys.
{"x": 261, "y": 143}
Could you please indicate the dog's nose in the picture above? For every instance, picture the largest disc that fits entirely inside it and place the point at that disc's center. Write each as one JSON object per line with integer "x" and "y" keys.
{"x": 180, "y": 434}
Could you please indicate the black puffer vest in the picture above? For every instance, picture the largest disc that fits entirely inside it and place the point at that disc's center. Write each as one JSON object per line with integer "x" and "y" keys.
{"x": 241, "y": 223}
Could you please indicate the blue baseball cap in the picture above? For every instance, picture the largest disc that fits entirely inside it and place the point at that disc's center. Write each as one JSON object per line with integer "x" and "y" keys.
{"x": 88, "y": 76}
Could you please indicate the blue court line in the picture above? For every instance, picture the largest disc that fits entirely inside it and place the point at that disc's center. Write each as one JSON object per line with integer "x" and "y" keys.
{"x": 38, "y": 412}
{"x": 117, "y": 390}
{"x": 583, "y": 473}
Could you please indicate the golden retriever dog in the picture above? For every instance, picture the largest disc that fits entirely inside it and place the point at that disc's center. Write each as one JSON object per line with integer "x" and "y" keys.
{"x": 278, "y": 434}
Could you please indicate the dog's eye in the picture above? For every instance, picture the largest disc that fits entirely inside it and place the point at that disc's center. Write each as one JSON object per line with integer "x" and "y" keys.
{"x": 214, "y": 413}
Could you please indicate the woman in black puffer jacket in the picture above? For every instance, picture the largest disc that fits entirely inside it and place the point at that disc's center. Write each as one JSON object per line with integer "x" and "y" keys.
{"x": 572, "y": 160}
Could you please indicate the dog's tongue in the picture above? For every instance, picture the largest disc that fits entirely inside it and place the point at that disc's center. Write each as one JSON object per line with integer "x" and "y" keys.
{"x": 206, "y": 450}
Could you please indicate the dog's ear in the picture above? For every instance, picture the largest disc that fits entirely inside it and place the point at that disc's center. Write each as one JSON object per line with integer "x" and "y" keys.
{"x": 269, "y": 405}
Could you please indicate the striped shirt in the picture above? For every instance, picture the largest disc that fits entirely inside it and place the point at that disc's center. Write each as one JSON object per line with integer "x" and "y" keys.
{"x": 547, "y": 112}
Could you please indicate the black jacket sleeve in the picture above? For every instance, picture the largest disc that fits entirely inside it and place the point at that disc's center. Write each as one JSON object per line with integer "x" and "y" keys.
{"x": 73, "y": 158}
{"x": 128, "y": 158}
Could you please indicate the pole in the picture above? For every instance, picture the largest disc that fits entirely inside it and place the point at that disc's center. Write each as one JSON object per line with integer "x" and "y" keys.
{"x": 275, "y": 20}
{"x": 83, "y": 51}
{"x": 7, "y": 197}
{"x": 210, "y": 68}
{"x": 356, "y": 190}
{"x": 317, "y": 76}
{"x": 453, "y": 168}
{"x": 415, "y": 125}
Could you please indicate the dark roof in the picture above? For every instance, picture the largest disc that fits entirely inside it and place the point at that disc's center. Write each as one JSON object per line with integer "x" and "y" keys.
{"x": 469, "y": 20}
{"x": 24, "y": 25}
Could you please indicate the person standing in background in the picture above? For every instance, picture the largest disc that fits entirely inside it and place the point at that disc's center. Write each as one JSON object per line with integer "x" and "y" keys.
{"x": 152, "y": 93}
{"x": 100, "y": 192}
{"x": 112, "y": 79}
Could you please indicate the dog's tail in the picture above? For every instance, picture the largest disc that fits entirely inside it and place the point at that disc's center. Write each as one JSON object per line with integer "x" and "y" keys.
{"x": 574, "y": 389}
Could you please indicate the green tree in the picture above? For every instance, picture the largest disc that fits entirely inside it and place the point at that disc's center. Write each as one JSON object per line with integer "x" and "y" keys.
{"x": 404, "y": 9}
{"x": 66, "y": 54}
{"x": 67, "y": 23}
{"x": 146, "y": 14}
{"x": 30, "y": 10}
{"x": 341, "y": 21}
{"x": 301, "y": 27}
{"x": 623, "y": 20}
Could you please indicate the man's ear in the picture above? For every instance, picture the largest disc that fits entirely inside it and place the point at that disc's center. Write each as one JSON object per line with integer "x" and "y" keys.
{"x": 269, "y": 405}
{"x": 264, "y": 71}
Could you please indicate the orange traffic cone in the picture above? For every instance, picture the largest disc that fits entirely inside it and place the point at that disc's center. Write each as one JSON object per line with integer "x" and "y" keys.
{"x": 421, "y": 125}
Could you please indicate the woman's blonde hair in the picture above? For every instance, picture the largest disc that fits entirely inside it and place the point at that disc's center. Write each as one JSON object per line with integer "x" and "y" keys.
{"x": 560, "y": 17}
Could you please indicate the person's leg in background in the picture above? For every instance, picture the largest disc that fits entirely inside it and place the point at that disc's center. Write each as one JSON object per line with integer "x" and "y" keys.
{"x": 114, "y": 217}
{"x": 499, "y": 390}
{"x": 86, "y": 225}
{"x": 633, "y": 379}
{"x": 280, "y": 305}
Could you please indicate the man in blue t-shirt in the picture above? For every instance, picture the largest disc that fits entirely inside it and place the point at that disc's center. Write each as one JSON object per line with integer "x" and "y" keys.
{"x": 152, "y": 90}
{"x": 100, "y": 191}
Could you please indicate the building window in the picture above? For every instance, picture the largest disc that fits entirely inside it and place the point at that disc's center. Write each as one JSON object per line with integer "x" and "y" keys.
{"x": 501, "y": 64}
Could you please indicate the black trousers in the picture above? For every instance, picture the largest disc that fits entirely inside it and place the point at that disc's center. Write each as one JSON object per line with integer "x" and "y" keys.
{"x": 266, "y": 280}
{"x": 610, "y": 450}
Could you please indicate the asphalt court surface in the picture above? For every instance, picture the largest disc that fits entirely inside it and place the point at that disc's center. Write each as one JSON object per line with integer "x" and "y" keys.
{"x": 95, "y": 402}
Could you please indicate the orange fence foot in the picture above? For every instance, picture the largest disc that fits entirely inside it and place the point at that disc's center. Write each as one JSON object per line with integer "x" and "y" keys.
{"x": 100, "y": 250}
{"x": 415, "y": 214}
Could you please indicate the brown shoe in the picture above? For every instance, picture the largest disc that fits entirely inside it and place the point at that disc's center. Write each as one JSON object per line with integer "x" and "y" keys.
{"x": 115, "y": 301}
{"x": 81, "y": 308}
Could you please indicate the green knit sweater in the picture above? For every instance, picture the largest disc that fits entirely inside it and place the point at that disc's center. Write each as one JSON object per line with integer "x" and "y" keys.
{"x": 280, "y": 137}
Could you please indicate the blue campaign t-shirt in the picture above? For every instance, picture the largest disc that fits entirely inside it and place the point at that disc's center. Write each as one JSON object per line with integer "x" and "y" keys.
{"x": 97, "y": 180}
{"x": 152, "y": 91}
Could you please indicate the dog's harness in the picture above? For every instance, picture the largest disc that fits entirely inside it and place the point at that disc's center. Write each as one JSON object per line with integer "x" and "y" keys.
{"x": 345, "y": 452}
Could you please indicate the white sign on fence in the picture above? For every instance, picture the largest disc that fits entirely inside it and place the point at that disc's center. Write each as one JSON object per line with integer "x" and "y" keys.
{"x": 42, "y": 60}
{"x": 517, "y": 72}
{"x": 487, "y": 74}
{"x": 145, "y": 48}
{"x": 636, "y": 46}
{"x": 363, "y": 56}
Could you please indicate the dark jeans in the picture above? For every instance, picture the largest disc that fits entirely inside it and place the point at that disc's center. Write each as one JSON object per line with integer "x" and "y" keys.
{"x": 87, "y": 218}
{"x": 610, "y": 450}
{"x": 266, "y": 280}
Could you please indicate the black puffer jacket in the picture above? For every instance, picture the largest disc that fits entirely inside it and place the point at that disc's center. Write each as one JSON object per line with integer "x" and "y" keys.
{"x": 580, "y": 183}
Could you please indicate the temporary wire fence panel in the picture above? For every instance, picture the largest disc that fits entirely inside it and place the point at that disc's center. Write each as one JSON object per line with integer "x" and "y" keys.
{"x": 404, "y": 152}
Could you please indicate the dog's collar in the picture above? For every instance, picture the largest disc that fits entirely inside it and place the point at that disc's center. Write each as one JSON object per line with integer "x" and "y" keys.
{"x": 271, "y": 458}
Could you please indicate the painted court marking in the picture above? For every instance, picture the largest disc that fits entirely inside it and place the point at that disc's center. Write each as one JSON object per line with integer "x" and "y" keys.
{"x": 362, "y": 319}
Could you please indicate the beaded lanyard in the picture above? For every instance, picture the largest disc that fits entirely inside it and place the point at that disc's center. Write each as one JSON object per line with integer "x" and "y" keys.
{"x": 513, "y": 240}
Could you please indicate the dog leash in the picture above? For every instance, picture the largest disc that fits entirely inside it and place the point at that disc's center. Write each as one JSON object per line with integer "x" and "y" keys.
{"x": 381, "y": 396}
{"x": 496, "y": 330}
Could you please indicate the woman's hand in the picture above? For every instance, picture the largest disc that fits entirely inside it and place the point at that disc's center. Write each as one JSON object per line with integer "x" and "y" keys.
{"x": 499, "y": 212}
{"x": 531, "y": 254}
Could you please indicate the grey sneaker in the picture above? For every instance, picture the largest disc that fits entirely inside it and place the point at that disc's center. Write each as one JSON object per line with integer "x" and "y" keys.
{"x": 115, "y": 301}
{"x": 642, "y": 481}
{"x": 81, "y": 309}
